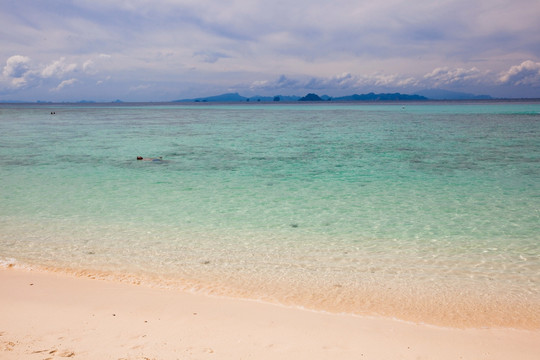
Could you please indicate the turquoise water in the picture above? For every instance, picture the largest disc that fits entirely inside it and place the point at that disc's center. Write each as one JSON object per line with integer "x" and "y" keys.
{"x": 426, "y": 212}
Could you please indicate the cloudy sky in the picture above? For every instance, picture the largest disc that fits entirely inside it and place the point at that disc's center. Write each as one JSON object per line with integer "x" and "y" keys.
{"x": 160, "y": 50}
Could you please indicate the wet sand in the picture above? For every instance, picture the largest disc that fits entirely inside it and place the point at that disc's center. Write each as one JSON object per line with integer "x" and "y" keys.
{"x": 54, "y": 316}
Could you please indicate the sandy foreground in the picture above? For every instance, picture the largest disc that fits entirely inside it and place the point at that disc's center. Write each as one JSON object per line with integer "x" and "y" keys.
{"x": 55, "y": 316}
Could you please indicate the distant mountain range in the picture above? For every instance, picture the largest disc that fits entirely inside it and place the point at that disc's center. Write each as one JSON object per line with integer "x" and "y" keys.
{"x": 381, "y": 97}
{"x": 439, "y": 94}
{"x": 235, "y": 97}
{"x": 424, "y": 95}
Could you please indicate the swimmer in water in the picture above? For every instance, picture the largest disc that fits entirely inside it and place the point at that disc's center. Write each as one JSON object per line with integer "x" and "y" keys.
{"x": 149, "y": 159}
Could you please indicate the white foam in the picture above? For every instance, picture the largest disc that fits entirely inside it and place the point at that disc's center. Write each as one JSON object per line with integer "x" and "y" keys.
{"x": 7, "y": 263}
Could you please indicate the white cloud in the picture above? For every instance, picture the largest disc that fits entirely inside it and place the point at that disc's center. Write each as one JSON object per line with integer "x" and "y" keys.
{"x": 526, "y": 73}
{"x": 139, "y": 87}
{"x": 215, "y": 44}
{"x": 410, "y": 81}
{"x": 17, "y": 66}
{"x": 17, "y": 72}
{"x": 444, "y": 76}
{"x": 95, "y": 64}
{"x": 383, "y": 79}
{"x": 58, "y": 68}
{"x": 21, "y": 73}
{"x": 341, "y": 81}
{"x": 65, "y": 83}
{"x": 341, "y": 84}
{"x": 88, "y": 66}
{"x": 102, "y": 81}
{"x": 282, "y": 83}
{"x": 344, "y": 80}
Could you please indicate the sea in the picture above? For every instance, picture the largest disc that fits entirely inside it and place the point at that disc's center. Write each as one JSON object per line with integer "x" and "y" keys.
{"x": 424, "y": 212}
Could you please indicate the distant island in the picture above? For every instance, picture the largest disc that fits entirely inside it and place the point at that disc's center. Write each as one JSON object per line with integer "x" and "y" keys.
{"x": 420, "y": 95}
{"x": 311, "y": 97}
{"x": 367, "y": 97}
{"x": 235, "y": 97}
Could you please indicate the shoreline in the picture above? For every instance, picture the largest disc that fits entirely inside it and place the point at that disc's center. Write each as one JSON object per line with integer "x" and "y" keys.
{"x": 452, "y": 309}
{"x": 52, "y": 315}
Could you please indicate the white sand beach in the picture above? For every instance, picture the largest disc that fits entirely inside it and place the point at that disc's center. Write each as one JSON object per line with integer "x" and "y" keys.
{"x": 55, "y": 316}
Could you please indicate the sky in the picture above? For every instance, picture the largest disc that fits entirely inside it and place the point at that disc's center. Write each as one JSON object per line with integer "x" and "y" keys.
{"x": 163, "y": 50}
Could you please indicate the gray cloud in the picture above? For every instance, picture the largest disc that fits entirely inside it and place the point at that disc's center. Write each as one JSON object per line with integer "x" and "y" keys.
{"x": 345, "y": 83}
{"x": 210, "y": 56}
{"x": 216, "y": 45}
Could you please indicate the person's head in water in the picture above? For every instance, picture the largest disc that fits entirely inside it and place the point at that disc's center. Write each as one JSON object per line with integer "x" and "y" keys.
{"x": 139, "y": 157}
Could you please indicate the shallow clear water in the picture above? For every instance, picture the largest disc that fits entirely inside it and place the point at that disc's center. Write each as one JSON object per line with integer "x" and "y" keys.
{"x": 426, "y": 212}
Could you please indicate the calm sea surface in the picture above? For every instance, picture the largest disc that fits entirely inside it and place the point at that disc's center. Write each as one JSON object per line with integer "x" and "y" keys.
{"x": 424, "y": 212}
